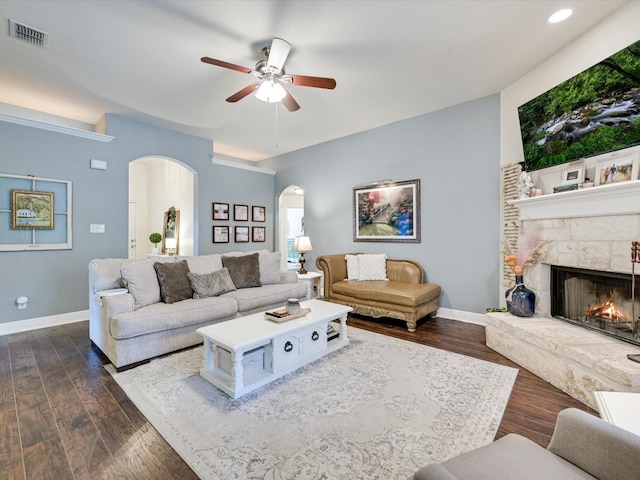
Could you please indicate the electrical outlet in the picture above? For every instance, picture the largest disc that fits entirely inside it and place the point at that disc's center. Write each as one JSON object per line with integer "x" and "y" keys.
{"x": 96, "y": 228}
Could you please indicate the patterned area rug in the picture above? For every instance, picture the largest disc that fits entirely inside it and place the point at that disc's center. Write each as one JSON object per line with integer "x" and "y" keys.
{"x": 379, "y": 408}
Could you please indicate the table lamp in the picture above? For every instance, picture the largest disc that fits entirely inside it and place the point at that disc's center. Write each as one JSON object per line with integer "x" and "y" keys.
{"x": 170, "y": 245}
{"x": 302, "y": 244}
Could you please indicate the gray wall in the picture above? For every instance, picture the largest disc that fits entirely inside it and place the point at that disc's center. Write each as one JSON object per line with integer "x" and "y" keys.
{"x": 56, "y": 281}
{"x": 455, "y": 153}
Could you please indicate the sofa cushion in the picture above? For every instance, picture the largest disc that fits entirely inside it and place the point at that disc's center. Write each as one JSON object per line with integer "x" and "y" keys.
{"x": 173, "y": 281}
{"x": 160, "y": 317}
{"x": 104, "y": 274}
{"x": 244, "y": 270}
{"x": 407, "y": 294}
{"x": 210, "y": 284}
{"x": 141, "y": 280}
{"x": 204, "y": 263}
{"x": 270, "y": 267}
{"x": 266, "y": 296}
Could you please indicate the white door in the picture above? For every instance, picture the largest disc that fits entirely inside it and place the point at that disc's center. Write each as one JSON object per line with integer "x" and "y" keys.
{"x": 132, "y": 230}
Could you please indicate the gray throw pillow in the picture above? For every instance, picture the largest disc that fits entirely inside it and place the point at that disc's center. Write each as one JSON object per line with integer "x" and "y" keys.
{"x": 210, "y": 284}
{"x": 173, "y": 281}
{"x": 244, "y": 270}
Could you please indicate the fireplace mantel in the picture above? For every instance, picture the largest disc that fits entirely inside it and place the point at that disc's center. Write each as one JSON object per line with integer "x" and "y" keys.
{"x": 614, "y": 199}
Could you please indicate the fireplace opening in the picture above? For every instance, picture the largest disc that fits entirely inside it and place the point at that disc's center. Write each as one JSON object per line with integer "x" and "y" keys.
{"x": 596, "y": 300}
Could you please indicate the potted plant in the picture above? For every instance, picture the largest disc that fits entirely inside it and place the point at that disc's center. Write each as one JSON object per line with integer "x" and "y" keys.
{"x": 155, "y": 238}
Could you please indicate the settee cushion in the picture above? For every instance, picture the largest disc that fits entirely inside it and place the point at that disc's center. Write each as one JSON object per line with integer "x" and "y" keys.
{"x": 173, "y": 281}
{"x": 400, "y": 293}
{"x": 366, "y": 266}
{"x": 211, "y": 284}
{"x": 244, "y": 270}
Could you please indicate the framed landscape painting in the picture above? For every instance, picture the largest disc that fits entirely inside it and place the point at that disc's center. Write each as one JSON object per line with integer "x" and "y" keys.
{"x": 32, "y": 210}
{"x": 387, "y": 212}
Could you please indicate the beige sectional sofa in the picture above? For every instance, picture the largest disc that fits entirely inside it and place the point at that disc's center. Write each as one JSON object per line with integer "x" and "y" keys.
{"x": 138, "y": 311}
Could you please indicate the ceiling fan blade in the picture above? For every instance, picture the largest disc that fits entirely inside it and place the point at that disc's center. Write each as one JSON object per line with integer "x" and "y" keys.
{"x": 278, "y": 53}
{"x": 290, "y": 103}
{"x": 305, "y": 81}
{"x": 243, "y": 93}
{"x": 231, "y": 66}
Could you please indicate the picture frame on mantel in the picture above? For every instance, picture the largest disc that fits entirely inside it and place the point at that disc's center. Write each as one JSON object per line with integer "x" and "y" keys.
{"x": 573, "y": 174}
{"x": 387, "y": 212}
{"x": 617, "y": 170}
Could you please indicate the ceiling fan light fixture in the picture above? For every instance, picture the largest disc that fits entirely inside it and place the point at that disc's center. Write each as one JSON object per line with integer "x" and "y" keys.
{"x": 271, "y": 92}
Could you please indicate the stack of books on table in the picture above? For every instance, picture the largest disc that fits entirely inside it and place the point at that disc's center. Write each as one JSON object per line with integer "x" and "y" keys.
{"x": 282, "y": 315}
{"x": 332, "y": 333}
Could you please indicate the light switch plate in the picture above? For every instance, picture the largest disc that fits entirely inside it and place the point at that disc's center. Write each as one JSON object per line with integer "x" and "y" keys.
{"x": 96, "y": 228}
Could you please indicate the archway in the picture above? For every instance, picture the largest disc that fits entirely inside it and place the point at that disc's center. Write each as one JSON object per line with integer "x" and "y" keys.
{"x": 155, "y": 185}
{"x": 291, "y": 224}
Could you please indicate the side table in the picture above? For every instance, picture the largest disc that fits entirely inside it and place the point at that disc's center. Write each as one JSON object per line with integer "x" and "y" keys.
{"x": 619, "y": 408}
{"x": 312, "y": 279}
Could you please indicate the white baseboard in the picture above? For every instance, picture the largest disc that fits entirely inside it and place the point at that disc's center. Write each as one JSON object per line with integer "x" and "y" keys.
{"x": 43, "y": 322}
{"x": 462, "y": 316}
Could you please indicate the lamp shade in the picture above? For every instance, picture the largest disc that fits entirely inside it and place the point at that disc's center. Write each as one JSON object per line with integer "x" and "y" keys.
{"x": 270, "y": 91}
{"x": 302, "y": 244}
{"x": 170, "y": 243}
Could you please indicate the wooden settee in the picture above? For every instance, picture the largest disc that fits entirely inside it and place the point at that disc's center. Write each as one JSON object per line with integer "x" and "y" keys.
{"x": 404, "y": 296}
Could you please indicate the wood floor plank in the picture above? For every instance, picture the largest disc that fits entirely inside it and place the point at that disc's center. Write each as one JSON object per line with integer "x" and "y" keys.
{"x": 47, "y": 461}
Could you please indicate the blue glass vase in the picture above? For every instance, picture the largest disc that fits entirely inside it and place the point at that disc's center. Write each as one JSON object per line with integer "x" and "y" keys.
{"x": 520, "y": 300}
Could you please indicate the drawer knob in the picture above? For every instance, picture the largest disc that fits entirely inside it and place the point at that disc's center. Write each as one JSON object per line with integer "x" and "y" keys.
{"x": 315, "y": 336}
{"x": 288, "y": 347}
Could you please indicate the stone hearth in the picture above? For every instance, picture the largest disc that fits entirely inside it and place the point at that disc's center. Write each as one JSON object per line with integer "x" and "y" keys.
{"x": 575, "y": 360}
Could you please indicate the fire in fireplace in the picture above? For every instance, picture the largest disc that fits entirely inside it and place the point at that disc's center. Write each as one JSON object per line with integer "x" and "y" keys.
{"x": 600, "y": 301}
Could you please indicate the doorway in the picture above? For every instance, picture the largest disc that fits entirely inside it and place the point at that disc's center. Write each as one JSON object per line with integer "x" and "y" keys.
{"x": 291, "y": 224}
{"x": 155, "y": 185}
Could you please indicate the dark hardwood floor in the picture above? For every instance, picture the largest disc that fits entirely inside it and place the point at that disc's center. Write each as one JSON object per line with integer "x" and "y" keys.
{"x": 62, "y": 416}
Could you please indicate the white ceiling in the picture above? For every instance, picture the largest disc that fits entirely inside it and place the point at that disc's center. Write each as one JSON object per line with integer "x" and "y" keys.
{"x": 391, "y": 59}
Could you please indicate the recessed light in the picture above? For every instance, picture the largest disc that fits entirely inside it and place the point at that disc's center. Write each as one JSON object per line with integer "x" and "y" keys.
{"x": 560, "y": 15}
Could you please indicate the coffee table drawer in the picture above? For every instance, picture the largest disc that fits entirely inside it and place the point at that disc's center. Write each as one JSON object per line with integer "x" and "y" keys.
{"x": 286, "y": 350}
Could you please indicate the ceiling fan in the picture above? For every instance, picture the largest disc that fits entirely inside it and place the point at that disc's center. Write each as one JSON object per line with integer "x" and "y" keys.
{"x": 272, "y": 76}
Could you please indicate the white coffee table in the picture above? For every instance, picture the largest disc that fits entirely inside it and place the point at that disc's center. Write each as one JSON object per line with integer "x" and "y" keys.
{"x": 245, "y": 353}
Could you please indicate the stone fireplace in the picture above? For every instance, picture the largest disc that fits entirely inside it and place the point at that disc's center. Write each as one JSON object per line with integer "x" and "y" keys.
{"x": 588, "y": 230}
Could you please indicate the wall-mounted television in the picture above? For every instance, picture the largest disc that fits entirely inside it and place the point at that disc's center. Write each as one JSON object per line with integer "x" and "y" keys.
{"x": 595, "y": 112}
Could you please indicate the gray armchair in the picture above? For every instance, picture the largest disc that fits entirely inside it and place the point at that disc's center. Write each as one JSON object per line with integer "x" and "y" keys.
{"x": 582, "y": 447}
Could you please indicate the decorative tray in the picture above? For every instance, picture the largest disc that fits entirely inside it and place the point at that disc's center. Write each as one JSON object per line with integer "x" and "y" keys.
{"x": 282, "y": 315}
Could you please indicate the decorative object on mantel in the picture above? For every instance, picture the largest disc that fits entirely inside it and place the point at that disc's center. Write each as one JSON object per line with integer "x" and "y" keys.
{"x": 635, "y": 258}
{"x": 524, "y": 184}
{"x": 520, "y": 300}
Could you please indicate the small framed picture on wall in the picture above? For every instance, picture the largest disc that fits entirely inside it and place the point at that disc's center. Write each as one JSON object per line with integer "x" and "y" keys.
{"x": 241, "y": 213}
{"x": 258, "y": 214}
{"x": 220, "y": 234}
{"x": 242, "y": 234}
{"x": 220, "y": 211}
{"x": 258, "y": 234}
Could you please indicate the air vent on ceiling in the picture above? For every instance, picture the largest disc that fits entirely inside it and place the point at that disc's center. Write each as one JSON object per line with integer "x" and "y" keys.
{"x": 28, "y": 34}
